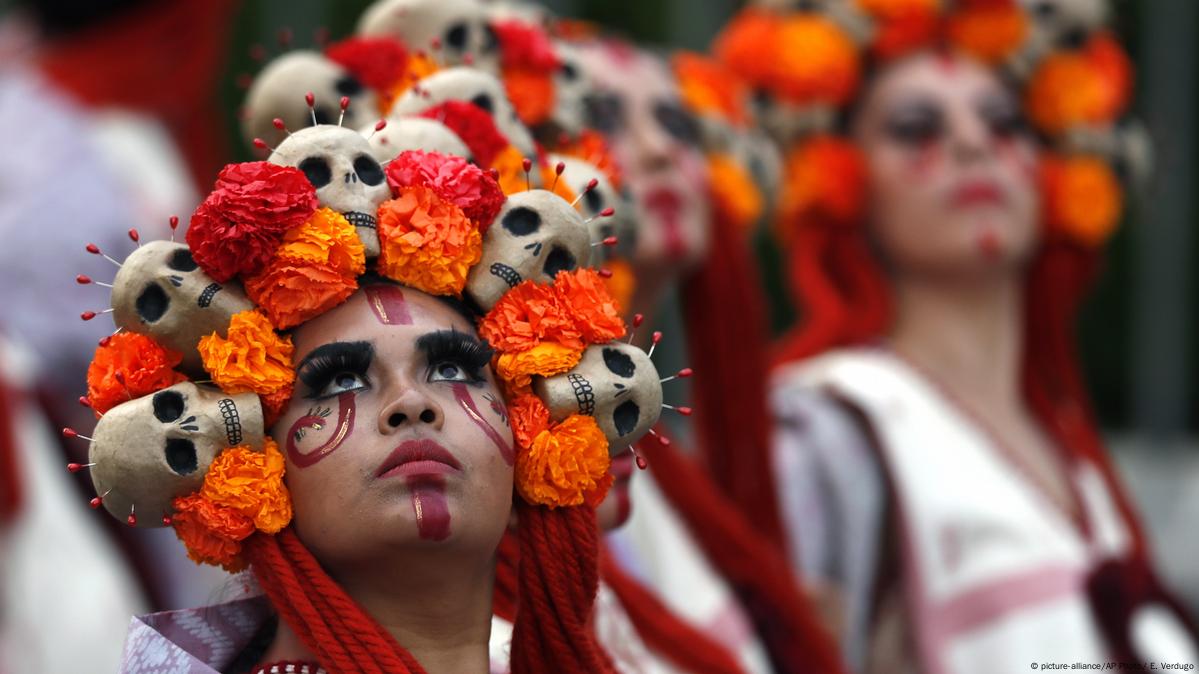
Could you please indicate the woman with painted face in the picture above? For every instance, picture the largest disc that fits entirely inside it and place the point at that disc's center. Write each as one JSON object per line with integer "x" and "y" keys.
{"x": 359, "y": 440}
{"x": 940, "y": 471}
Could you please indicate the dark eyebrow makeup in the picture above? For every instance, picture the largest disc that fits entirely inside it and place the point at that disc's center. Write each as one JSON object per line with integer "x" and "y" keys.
{"x": 456, "y": 347}
{"x": 328, "y": 360}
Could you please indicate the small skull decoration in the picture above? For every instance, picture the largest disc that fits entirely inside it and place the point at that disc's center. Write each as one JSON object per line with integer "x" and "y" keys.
{"x": 617, "y": 384}
{"x": 158, "y": 447}
{"x": 571, "y": 85}
{"x": 458, "y": 30}
{"x": 342, "y": 167}
{"x": 473, "y": 86}
{"x": 160, "y": 292}
{"x": 577, "y": 175}
{"x": 535, "y": 236}
{"x": 413, "y": 133}
{"x": 1057, "y": 24}
{"x": 278, "y": 91}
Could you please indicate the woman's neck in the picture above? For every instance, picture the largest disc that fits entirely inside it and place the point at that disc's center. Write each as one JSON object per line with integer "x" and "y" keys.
{"x": 966, "y": 335}
{"x": 436, "y": 607}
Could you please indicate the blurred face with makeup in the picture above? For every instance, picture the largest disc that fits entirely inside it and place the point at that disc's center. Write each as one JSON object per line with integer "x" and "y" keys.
{"x": 951, "y": 169}
{"x": 396, "y": 438}
{"x": 636, "y": 105}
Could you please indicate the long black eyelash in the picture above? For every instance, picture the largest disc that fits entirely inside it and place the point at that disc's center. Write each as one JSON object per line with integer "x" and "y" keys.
{"x": 327, "y": 361}
{"x": 460, "y": 348}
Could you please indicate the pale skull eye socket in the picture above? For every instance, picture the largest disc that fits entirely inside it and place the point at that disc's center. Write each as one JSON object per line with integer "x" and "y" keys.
{"x": 317, "y": 170}
{"x": 619, "y": 363}
{"x": 182, "y": 260}
{"x": 559, "y": 259}
{"x": 152, "y": 304}
{"x": 522, "y": 221}
{"x": 490, "y": 40}
{"x": 368, "y": 170}
{"x": 348, "y": 85}
{"x": 569, "y": 72}
{"x": 484, "y": 102}
{"x": 457, "y": 36}
{"x": 625, "y": 417}
{"x": 168, "y": 406}
{"x": 181, "y": 456}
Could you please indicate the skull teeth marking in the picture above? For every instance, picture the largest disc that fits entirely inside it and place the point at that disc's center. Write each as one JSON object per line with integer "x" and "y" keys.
{"x": 358, "y": 219}
{"x": 206, "y": 297}
{"x": 232, "y": 421}
{"x": 583, "y": 394}
{"x": 506, "y": 273}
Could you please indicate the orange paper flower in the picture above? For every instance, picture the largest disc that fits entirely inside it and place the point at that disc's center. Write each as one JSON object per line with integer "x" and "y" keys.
{"x": 531, "y": 92}
{"x": 291, "y": 294}
{"x": 901, "y": 25}
{"x": 622, "y": 282}
{"x": 128, "y": 366}
{"x": 326, "y": 238}
{"x": 596, "y": 314}
{"x": 816, "y": 61}
{"x": 710, "y": 88}
{"x": 528, "y": 315}
{"x": 529, "y": 417}
{"x": 823, "y": 184}
{"x": 509, "y": 164}
{"x": 251, "y": 359}
{"x": 1082, "y": 198}
{"x": 563, "y": 464}
{"x": 212, "y": 533}
{"x": 427, "y": 243}
{"x": 274, "y": 404}
{"x": 735, "y": 195}
{"x": 251, "y": 483}
{"x": 547, "y": 359}
{"x": 990, "y": 32}
{"x": 746, "y": 45}
{"x": 591, "y": 147}
{"x": 1072, "y": 88}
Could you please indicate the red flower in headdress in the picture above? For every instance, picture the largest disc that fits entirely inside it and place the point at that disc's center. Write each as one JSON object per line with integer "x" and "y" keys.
{"x": 473, "y": 125}
{"x": 453, "y": 179}
{"x": 524, "y": 45}
{"x": 377, "y": 62}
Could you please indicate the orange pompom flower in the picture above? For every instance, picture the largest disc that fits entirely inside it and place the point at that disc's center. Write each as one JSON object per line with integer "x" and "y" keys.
{"x": 708, "y": 87}
{"x": 902, "y": 25}
{"x": 547, "y": 359}
{"x": 326, "y": 238}
{"x": 253, "y": 358}
{"x": 816, "y": 61}
{"x": 528, "y": 315}
{"x": 274, "y": 404}
{"x": 127, "y": 366}
{"x": 1072, "y": 88}
{"x": 597, "y": 316}
{"x": 621, "y": 282}
{"x": 748, "y": 44}
{"x": 529, "y": 417}
{"x": 427, "y": 243}
{"x": 251, "y": 482}
{"x": 291, "y": 294}
{"x": 1082, "y": 198}
{"x": 990, "y": 31}
{"x": 212, "y": 533}
{"x": 509, "y": 164}
{"x": 563, "y": 464}
{"x": 531, "y": 92}
{"x": 735, "y": 195}
{"x": 823, "y": 182}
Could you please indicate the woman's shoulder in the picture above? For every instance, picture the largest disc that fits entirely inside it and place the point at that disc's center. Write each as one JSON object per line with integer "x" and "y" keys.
{"x": 202, "y": 640}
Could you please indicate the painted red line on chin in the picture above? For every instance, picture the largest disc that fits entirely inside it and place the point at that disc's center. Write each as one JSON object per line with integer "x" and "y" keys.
{"x": 388, "y": 304}
{"x": 431, "y": 508}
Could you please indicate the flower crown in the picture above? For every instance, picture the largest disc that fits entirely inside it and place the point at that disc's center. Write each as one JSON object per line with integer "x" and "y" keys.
{"x": 1076, "y": 83}
{"x": 200, "y": 365}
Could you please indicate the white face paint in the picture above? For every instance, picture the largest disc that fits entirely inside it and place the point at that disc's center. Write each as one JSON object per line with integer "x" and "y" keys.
{"x": 459, "y": 28}
{"x": 341, "y": 165}
{"x": 413, "y": 133}
{"x": 158, "y": 447}
{"x": 160, "y": 292}
{"x": 278, "y": 91}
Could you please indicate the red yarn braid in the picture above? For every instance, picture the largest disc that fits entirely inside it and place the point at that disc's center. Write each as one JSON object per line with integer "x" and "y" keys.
{"x": 755, "y": 567}
{"x": 559, "y": 575}
{"x": 328, "y": 621}
{"x": 667, "y": 635}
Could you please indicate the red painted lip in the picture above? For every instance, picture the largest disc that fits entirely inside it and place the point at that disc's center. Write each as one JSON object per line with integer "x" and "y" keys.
{"x": 418, "y": 457}
{"x": 667, "y": 204}
{"x": 977, "y": 193}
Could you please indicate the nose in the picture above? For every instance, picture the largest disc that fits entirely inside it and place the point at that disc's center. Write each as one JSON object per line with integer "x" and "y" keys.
{"x": 411, "y": 408}
{"x": 652, "y": 143}
{"x": 970, "y": 138}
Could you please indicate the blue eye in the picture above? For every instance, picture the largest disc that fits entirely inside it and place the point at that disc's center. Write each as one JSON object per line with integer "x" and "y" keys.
{"x": 342, "y": 382}
{"x": 449, "y": 371}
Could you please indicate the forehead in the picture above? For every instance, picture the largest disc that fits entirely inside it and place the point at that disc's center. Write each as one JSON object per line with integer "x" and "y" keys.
{"x": 379, "y": 311}
{"x": 940, "y": 76}
{"x": 627, "y": 70}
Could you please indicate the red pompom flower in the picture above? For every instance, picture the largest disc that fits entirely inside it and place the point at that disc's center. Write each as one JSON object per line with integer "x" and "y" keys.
{"x": 524, "y": 45}
{"x": 453, "y": 179}
{"x": 241, "y": 222}
{"x": 377, "y": 62}
{"x": 474, "y": 126}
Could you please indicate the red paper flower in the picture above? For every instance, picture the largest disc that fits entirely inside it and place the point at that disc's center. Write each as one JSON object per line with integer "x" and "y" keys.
{"x": 377, "y": 62}
{"x": 524, "y": 45}
{"x": 241, "y": 222}
{"x": 453, "y": 179}
{"x": 473, "y": 125}
{"x": 129, "y": 366}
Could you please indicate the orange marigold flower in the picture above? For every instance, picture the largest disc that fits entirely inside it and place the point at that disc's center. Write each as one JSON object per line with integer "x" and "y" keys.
{"x": 531, "y": 92}
{"x": 591, "y": 147}
{"x": 749, "y": 43}
{"x": 816, "y": 62}
{"x": 291, "y": 294}
{"x": 990, "y": 32}
{"x": 1082, "y": 198}
{"x": 1087, "y": 87}
{"x": 596, "y": 314}
{"x": 902, "y": 25}
{"x": 251, "y": 483}
{"x": 253, "y": 358}
{"x": 427, "y": 243}
{"x": 274, "y": 404}
{"x": 550, "y": 180}
{"x": 622, "y": 282}
{"x": 326, "y": 238}
{"x": 509, "y": 164}
{"x": 547, "y": 359}
{"x": 562, "y": 464}
{"x": 528, "y": 315}
{"x": 734, "y": 193}
{"x": 823, "y": 181}
{"x": 212, "y": 533}
{"x": 129, "y": 365}
{"x": 529, "y": 417}
{"x": 709, "y": 87}
{"x": 594, "y": 497}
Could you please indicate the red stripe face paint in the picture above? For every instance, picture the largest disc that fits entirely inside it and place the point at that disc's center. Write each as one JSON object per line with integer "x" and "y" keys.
{"x": 462, "y": 395}
{"x": 388, "y": 304}
{"x": 313, "y": 423}
{"x": 430, "y": 507}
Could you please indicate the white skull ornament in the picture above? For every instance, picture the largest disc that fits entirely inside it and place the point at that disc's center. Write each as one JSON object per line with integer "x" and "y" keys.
{"x": 616, "y": 383}
{"x": 161, "y": 292}
{"x": 158, "y": 447}
{"x": 472, "y": 86}
{"x": 279, "y": 90}
{"x": 458, "y": 29}
{"x": 1057, "y": 24}
{"x": 413, "y": 133}
{"x": 571, "y": 85}
{"x": 342, "y": 167}
{"x": 535, "y": 236}
{"x": 577, "y": 174}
